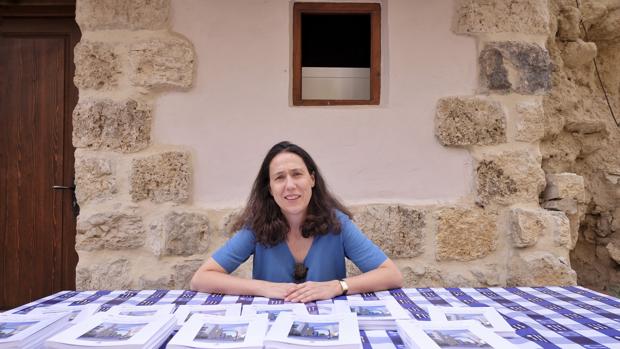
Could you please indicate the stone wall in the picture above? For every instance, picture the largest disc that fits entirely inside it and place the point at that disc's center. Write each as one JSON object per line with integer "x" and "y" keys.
{"x": 581, "y": 136}
{"x": 139, "y": 227}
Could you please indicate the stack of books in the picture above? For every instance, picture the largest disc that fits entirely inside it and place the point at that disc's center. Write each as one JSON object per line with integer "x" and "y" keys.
{"x": 142, "y": 310}
{"x": 374, "y": 315}
{"x": 273, "y": 310}
{"x": 30, "y": 331}
{"x": 453, "y": 334}
{"x": 488, "y": 317}
{"x": 115, "y": 331}
{"x": 78, "y": 313}
{"x": 213, "y": 331}
{"x": 339, "y": 331}
{"x": 185, "y": 312}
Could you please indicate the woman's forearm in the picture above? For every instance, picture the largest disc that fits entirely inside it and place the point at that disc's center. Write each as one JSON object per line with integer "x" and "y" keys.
{"x": 217, "y": 282}
{"x": 384, "y": 277}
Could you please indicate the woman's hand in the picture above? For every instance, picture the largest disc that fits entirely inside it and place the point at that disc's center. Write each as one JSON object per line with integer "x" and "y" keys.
{"x": 277, "y": 290}
{"x": 311, "y": 291}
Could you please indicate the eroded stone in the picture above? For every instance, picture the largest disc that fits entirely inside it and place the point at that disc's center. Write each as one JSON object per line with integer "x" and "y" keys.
{"x": 513, "y": 66}
{"x": 608, "y": 28}
{"x": 465, "y": 234}
{"x": 183, "y": 272}
{"x": 529, "y": 122}
{"x": 614, "y": 251}
{"x": 578, "y": 53}
{"x": 162, "y": 62}
{"x": 398, "y": 230}
{"x": 94, "y": 178}
{"x": 526, "y": 226}
{"x": 540, "y": 269}
{"x": 499, "y": 16}
{"x": 181, "y": 234}
{"x": 568, "y": 24}
{"x": 470, "y": 120}
{"x": 509, "y": 177}
{"x": 114, "y": 275}
{"x": 161, "y": 177}
{"x": 114, "y": 230}
{"x": 564, "y": 186}
{"x": 96, "y": 65}
{"x": 111, "y": 125}
{"x": 122, "y": 14}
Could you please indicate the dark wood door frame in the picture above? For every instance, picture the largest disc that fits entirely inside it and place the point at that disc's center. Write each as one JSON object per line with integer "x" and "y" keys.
{"x": 55, "y": 21}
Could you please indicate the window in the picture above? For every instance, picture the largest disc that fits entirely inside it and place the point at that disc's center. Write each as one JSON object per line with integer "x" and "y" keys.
{"x": 336, "y": 53}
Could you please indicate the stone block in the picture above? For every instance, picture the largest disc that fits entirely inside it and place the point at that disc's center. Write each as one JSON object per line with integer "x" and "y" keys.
{"x": 540, "y": 269}
{"x": 614, "y": 251}
{"x": 469, "y": 121}
{"x": 96, "y": 65}
{"x": 500, "y": 16}
{"x": 465, "y": 234}
{"x": 94, "y": 178}
{"x": 111, "y": 125}
{"x": 578, "y": 53}
{"x": 568, "y": 24}
{"x": 180, "y": 234}
{"x": 608, "y": 28}
{"x": 428, "y": 276}
{"x": 398, "y": 230}
{"x": 161, "y": 177}
{"x": 565, "y": 186}
{"x": 115, "y": 230}
{"x": 227, "y": 222}
{"x": 104, "y": 275}
{"x": 183, "y": 272}
{"x": 529, "y": 122}
{"x": 512, "y": 66}
{"x": 162, "y": 62}
{"x": 155, "y": 283}
{"x": 122, "y": 14}
{"x": 526, "y": 226}
{"x": 561, "y": 228}
{"x": 509, "y": 177}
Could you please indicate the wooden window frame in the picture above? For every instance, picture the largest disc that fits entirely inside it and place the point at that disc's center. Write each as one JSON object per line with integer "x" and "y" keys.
{"x": 374, "y": 10}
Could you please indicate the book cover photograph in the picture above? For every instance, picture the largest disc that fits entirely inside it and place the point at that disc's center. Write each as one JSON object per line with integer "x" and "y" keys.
{"x": 29, "y": 331}
{"x": 461, "y": 334}
{"x": 488, "y": 317}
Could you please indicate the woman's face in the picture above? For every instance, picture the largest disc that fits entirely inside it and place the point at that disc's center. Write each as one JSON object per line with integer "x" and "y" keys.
{"x": 290, "y": 184}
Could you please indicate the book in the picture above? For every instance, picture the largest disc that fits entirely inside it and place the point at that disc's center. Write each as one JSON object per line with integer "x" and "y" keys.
{"x": 338, "y": 330}
{"x": 142, "y": 310}
{"x": 374, "y": 315}
{"x": 487, "y": 316}
{"x": 30, "y": 330}
{"x": 115, "y": 331}
{"x": 78, "y": 313}
{"x": 453, "y": 334}
{"x": 185, "y": 312}
{"x": 213, "y": 331}
{"x": 273, "y": 310}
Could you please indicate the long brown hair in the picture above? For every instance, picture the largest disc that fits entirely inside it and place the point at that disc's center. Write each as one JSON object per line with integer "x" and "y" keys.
{"x": 263, "y": 215}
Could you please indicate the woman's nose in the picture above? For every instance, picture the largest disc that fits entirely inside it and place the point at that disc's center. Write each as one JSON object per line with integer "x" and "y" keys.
{"x": 289, "y": 183}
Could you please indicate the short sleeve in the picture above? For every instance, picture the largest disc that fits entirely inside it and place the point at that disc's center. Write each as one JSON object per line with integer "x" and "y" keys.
{"x": 236, "y": 250}
{"x": 358, "y": 248}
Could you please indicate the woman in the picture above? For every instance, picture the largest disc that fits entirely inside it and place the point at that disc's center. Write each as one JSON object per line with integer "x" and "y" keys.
{"x": 299, "y": 235}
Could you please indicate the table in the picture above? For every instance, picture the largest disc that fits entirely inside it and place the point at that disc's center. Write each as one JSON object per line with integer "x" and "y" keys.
{"x": 544, "y": 317}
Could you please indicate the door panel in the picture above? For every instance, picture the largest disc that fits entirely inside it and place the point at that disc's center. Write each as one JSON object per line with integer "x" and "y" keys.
{"x": 37, "y": 96}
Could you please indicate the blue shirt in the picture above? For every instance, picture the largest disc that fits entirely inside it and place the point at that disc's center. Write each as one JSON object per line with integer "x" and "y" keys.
{"x": 325, "y": 259}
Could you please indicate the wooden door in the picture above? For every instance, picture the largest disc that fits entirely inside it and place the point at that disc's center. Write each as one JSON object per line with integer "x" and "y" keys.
{"x": 37, "y": 97}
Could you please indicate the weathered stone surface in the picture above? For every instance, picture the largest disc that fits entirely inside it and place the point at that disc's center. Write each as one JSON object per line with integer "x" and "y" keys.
{"x": 398, "y": 230}
{"x": 96, "y": 65}
{"x": 540, "y": 269}
{"x": 526, "y": 225}
{"x": 111, "y": 230}
{"x": 568, "y": 24}
{"x": 122, "y": 14}
{"x": 94, "y": 178}
{"x": 614, "y": 251}
{"x": 470, "y": 120}
{"x": 162, "y": 62}
{"x": 608, "y": 28}
{"x": 111, "y": 125}
{"x": 529, "y": 122}
{"x": 509, "y": 177}
{"x": 180, "y": 234}
{"x": 560, "y": 225}
{"x": 500, "y": 16}
{"x": 465, "y": 234}
{"x": 592, "y": 12}
{"x": 227, "y": 222}
{"x": 564, "y": 186}
{"x": 421, "y": 276}
{"x": 113, "y": 275}
{"x": 513, "y": 66}
{"x": 145, "y": 282}
{"x": 245, "y": 269}
{"x": 161, "y": 177}
{"x": 183, "y": 272}
{"x": 578, "y": 53}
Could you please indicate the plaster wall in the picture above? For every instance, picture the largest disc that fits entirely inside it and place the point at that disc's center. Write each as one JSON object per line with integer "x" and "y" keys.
{"x": 240, "y": 104}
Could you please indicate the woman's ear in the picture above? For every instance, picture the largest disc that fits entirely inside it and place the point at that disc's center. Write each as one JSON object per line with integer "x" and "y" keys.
{"x": 313, "y": 180}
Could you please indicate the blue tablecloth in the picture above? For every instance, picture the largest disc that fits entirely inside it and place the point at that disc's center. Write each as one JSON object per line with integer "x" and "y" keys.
{"x": 543, "y": 317}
